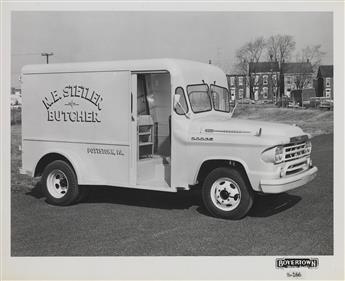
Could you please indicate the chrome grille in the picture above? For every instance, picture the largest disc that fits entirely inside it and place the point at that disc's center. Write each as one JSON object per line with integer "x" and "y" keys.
{"x": 295, "y": 168}
{"x": 294, "y": 151}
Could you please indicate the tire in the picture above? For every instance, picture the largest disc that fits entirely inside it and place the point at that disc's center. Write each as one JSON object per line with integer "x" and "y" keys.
{"x": 59, "y": 183}
{"x": 226, "y": 194}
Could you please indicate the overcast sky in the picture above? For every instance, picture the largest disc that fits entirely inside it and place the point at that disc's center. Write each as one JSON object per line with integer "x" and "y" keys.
{"x": 91, "y": 36}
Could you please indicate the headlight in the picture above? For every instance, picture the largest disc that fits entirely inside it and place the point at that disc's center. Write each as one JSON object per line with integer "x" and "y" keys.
{"x": 273, "y": 155}
{"x": 308, "y": 147}
{"x": 279, "y": 153}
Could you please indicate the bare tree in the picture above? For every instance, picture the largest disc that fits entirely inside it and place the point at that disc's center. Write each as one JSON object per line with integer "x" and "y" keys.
{"x": 250, "y": 51}
{"x": 256, "y": 48}
{"x": 280, "y": 47}
{"x": 303, "y": 79}
{"x": 312, "y": 54}
{"x": 272, "y": 46}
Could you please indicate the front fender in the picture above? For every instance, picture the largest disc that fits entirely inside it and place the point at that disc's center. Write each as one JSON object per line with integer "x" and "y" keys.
{"x": 223, "y": 158}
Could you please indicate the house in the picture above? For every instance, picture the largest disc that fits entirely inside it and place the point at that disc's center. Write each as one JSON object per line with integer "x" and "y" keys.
{"x": 315, "y": 84}
{"x": 325, "y": 81}
{"x": 263, "y": 80}
{"x": 295, "y": 76}
{"x": 237, "y": 86}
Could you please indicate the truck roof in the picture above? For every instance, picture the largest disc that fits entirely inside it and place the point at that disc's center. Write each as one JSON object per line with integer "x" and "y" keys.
{"x": 182, "y": 72}
{"x": 164, "y": 64}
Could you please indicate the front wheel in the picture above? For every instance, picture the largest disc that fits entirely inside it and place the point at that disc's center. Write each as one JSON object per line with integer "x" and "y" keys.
{"x": 226, "y": 195}
{"x": 59, "y": 183}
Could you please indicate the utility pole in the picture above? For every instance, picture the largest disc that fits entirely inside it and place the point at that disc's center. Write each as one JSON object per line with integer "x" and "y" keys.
{"x": 47, "y": 55}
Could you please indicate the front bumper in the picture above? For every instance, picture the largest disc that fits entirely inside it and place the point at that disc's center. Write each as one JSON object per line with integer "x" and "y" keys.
{"x": 288, "y": 183}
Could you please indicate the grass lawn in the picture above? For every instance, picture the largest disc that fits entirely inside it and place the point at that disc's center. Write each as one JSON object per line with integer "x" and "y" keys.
{"x": 312, "y": 121}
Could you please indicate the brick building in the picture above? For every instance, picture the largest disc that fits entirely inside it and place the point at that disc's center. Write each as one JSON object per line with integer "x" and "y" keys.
{"x": 325, "y": 81}
{"x": 238, "y": 86}
{"x": 295, "y": 76}
{"x": 263, "y": 80}
{"x": 271, "y": 80}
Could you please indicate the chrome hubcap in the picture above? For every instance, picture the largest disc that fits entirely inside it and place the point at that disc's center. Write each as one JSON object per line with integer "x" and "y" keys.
{"x": 225, "y": 194}
{"x": 57, "y": 184}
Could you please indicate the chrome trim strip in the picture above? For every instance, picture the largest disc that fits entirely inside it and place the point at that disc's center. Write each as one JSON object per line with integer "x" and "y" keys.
{"x": 78, "y": 142}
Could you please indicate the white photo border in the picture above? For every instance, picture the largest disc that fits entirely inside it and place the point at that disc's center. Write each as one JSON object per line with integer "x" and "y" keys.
{"x": 168, "y": 268}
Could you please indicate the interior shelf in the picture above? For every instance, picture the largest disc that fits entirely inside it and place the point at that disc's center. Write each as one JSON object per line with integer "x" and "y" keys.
{"x": 145, "y": 136}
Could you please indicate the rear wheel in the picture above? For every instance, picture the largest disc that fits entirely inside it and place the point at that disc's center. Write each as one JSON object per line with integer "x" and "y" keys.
{"x": 59, "y": 183}
{"x": 226, "y": 195}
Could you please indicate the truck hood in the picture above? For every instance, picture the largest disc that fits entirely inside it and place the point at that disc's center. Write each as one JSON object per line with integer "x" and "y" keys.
{"x": 234, "y": 126}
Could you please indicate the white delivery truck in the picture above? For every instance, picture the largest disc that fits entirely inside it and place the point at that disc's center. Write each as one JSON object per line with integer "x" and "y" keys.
{"x": 160, "y": 124}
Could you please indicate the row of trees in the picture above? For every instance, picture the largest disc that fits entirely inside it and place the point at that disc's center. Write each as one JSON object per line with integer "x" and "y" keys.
{"x": 278, "y": 48}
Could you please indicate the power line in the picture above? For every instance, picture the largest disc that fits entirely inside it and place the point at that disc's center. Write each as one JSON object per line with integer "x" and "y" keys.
{"x": 26, "y": 54}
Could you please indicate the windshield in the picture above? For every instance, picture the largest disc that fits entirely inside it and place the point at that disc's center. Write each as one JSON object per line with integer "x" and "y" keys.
{"x": 201, "y": 99}
{"x": 220, "y": 98}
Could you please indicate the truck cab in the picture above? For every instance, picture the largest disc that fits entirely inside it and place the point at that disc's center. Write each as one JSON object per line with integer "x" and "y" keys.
{"x": 160, "y": 124}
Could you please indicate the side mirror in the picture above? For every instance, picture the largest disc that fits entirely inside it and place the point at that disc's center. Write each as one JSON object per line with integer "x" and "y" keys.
{"x": 233, "y": 110}
{"x": 176, "y": 100}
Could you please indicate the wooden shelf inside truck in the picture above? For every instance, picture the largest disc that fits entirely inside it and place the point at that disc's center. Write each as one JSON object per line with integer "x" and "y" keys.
{"x": 145, "y": 136}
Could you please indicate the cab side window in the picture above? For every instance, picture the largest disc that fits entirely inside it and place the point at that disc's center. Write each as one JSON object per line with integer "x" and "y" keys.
{"x": 181, "y": 107}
